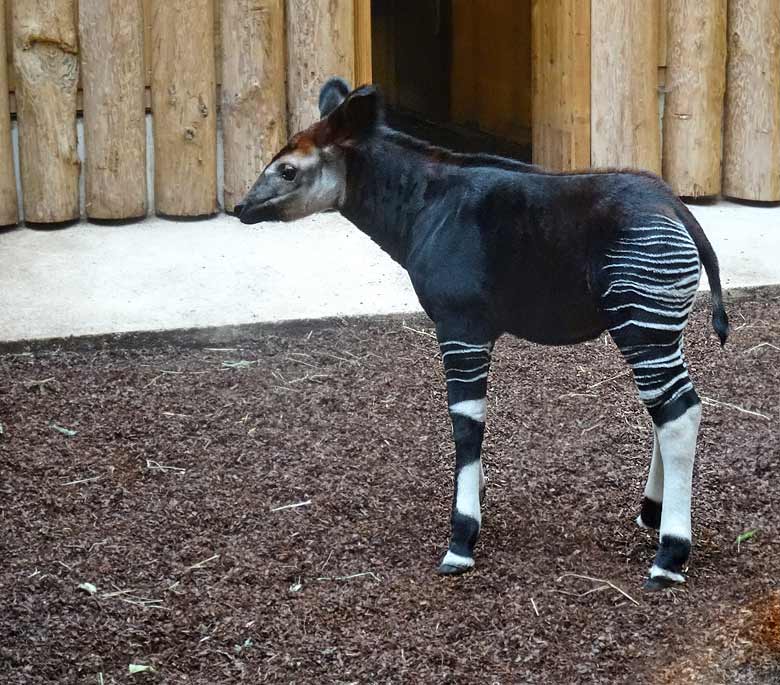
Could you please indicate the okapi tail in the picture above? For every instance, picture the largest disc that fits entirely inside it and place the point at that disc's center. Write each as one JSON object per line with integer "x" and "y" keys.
{"x": 709, "y": 260}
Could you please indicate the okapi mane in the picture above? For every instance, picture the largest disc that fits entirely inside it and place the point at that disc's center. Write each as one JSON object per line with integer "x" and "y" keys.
{"x": 444, "y": 155}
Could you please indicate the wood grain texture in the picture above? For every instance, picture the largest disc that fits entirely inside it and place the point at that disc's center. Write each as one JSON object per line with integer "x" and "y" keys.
{"x": 184, "y": 108}
{"x": 320, "y": 44}
{"x": 254, "y": 112}
{"x": 363, "y": 60}
{"x": 625, "y": 125}
{"x": 663, "y": 29}
{"x": 9, "y": 211}
{"x": 147, "y": 4}
{"x": 695, "y": 84}
{"x": 751, "y": 146}
{"x": 561, "y": 87}
{"x": 8, "y": 55}
{"x": 111, "y": 33}
{"x": 491, "y": 66}
{"x": 47, "y": 68}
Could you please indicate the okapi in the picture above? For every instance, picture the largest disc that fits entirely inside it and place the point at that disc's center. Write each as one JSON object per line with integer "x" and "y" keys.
{"x": 495, "y": 246}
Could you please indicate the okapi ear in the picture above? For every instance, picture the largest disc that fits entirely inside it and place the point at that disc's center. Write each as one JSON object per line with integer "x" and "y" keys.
{"x": 332, "y": 94}
{"x": 362, "y": 112}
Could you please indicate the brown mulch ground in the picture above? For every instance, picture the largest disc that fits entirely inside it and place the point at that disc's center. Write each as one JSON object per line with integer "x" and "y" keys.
{"x": 162, "y": 501}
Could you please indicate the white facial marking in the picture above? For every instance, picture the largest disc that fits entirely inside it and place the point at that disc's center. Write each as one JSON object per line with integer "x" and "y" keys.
{"x": 452, "y": 559}
{"x": 474, "y": 409}
{"x": 467, "y": 500}
{"x": 319, "y": 186}
{"x": 677, "y": 443}
{"x": 330, "y": 187}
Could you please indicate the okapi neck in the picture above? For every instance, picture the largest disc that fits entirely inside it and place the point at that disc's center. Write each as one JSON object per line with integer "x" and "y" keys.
{"x": 385, "y": 195}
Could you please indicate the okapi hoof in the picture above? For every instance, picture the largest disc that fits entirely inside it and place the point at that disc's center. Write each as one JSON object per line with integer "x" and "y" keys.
{"x": 454, "y": 565}
{"x": 450, "y": 570}
{"x": 660, "y": 583}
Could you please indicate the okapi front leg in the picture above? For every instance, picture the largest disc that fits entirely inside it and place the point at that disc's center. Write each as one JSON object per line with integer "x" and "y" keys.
{"x": 466, "y": 365}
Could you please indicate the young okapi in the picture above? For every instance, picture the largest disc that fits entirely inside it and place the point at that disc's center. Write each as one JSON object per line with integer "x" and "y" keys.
{"x": 494, "y": 246}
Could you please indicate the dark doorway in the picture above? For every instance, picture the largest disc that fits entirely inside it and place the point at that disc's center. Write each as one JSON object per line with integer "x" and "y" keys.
{"x": 456, "y": 72}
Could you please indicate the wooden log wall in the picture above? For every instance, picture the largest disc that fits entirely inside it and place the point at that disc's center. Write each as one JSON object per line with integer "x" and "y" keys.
{"x": 112, "y": 62}
{"x": 8, "y": 202}
{"x": 47, "y": 68}
{"x": 561, "y": 90}
{"x": 363, "y": 61}
{"x": 695, "y": 84}
{"x": 320, "y": 44}
{"x": 625, "y": 126}
{"x": 593, "y": 98}
{"x": 254, "y": 109}
{"x": 184, "y": 102}
{"x": 751, "y": 150}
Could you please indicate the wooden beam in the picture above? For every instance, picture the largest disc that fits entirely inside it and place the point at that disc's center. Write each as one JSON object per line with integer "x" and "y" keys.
{"x": 363, "y": 62}
{"x": 320, "y": 44}
{"x": 9, "y": 210}
{"x": 184, "y": 108}
{"x": 625, "y": 123}
{"x": 254, "y": 111}
{"x": 47, "y": 68}
{"x": 561, "y": 87}
{"x": 112, "y": 62}
{"x": 751, "y": 146}
{"x": 8, "y": 56}
{"x": 663, "y": 30}
{"x": 695, "y": 83}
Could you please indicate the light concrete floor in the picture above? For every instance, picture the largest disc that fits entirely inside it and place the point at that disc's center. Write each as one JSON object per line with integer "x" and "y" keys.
{"x": 161, "y": 275}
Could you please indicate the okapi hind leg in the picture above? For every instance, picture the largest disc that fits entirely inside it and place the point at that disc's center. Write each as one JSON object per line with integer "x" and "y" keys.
{"x": 649, "y": 280}
{"x": 466, "y": 363}
{"x": 650, "y": 514}
{"x": 677, "y": 440}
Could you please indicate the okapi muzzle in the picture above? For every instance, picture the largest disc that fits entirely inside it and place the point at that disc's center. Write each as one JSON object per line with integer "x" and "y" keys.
{"x": 495, "y": 246}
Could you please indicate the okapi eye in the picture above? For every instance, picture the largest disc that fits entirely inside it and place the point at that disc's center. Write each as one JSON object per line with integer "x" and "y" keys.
{"x": 288, "y": 172}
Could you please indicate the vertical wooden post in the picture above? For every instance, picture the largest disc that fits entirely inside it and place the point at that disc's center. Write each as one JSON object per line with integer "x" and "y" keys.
{"x": 625, "y": 126}
{"x": 320, "y": 44}
{"x": 47, "y": 69}
{"x": 751, "y": 146}
{"x": 363, "y": 62}
{"x": 254, "y": 112}
{"x": 184, "y": 108}
{"x": 561, "y": 101}
{"x": 695, "y": 83}
{"x": 112, "y": 63}
{"x": 9, "y": 211}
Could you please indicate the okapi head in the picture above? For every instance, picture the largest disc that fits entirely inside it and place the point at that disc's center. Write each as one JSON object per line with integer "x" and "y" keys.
{"x": 309, "y": 174}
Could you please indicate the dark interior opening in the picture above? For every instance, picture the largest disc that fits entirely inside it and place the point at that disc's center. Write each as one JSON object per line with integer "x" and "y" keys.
{"x": 457, "y": 72}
